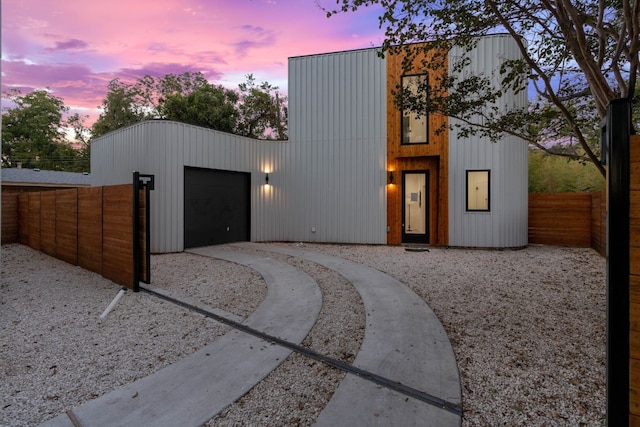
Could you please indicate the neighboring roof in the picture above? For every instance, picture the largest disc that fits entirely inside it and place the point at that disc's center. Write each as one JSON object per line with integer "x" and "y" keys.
{"x": 36, "y": 176}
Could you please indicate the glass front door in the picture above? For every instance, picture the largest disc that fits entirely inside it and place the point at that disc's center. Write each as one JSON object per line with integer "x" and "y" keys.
{"x": 415, "y": 209}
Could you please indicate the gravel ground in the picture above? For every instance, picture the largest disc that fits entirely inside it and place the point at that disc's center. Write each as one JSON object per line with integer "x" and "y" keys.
{"x": 527, "y": 327}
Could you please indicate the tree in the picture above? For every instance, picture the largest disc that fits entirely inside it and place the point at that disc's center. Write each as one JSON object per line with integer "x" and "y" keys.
{"x": 120, "y": 108}
{"x": 255, "y": 111}
{"x": 263, "y": 113}
{"x": 82, "y": 140}
{"x": 577, "y": 55}
{"x": 555, "y": 174}
{"x": 33, "y": 132}
{"x": 187, "y": 98}
{"x": 153, "y": 92}
{"x": 209, "y": 106}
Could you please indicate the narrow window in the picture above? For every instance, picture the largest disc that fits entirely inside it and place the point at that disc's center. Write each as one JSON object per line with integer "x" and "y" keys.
{"x": 414, "y": 94}
{"x": 478, "y": 190}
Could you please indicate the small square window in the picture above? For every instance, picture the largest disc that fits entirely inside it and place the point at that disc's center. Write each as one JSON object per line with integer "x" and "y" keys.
{"x": 414, "y": 126}
{"x": 478, "y": 191}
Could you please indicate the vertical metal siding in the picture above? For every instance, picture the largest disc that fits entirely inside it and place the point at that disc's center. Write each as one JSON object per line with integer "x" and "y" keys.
{"x": 506, "y": 223}
{"x": 330, "y": 175}
{"x": 337, "y": 122}
{"x": 164, "y": 148}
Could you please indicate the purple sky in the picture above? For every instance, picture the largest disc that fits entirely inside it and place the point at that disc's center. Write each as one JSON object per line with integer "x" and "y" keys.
{"x": 76, "y": 47}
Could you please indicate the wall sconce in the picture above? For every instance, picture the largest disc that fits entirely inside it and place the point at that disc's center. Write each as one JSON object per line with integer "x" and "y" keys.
{"x": 391, "y": 177}
{"x": 266, "y": 179}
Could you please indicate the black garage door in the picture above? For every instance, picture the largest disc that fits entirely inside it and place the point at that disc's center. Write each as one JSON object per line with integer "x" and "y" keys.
{"x": 216, "y": 207}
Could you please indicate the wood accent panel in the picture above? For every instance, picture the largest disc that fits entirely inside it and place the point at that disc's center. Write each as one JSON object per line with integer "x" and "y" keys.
{"x": 634, "y": 289}
{"x": 634, "y": 349}
{"x": 433, "y": 157}
{"x": 634, "y": 373}
{"x": 634, "y": 317}
{"x": 23, "y": 219}
{"x": 90, "y": 229}
{"x": 561, "y": 219}
{"x": 67, "y": 225}
{"x": 438, "y": 215}
{"x": 33, "y": 219}
{"x": 48, "y": 222}
{"x": 634, "y": 392}
{"x": 117, "y": 234}
{"x": 9, "y": 218}
{"x": 634, "y": 401}
{"x": 438, "y": 140}
{"x": 634, "y": 281}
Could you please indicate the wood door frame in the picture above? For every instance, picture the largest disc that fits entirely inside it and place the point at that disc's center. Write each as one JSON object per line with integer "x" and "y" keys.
{"x": 417, "y": 238}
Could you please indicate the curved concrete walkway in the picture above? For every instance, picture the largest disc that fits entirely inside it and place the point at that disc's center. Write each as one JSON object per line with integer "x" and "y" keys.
{"x": 404, "y": 342}
{"x": 193, "y": 390}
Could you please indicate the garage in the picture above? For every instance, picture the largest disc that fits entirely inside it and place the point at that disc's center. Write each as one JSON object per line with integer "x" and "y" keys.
{"x": 216, "y": 207}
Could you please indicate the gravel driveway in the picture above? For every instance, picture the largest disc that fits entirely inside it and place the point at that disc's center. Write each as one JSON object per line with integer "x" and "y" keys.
{"x": 527, "y": 327}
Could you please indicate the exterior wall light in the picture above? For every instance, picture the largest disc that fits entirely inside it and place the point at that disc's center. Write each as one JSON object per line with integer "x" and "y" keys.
{"x": 391, "y": 177}
{"x": 266, "y": 179}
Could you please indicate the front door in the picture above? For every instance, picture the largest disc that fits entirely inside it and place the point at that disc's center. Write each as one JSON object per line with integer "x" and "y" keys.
{"x": 415, "y": 209}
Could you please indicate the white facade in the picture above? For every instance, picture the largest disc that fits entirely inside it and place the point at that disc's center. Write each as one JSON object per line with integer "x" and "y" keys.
{"x": 163, "y": 149}
{"x": 506, "y": 223}
{"x": 337, "y": 131}
{"x": 328, "y": 182}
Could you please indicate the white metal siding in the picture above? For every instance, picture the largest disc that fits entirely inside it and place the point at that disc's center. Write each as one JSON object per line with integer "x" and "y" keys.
{"x": 337, "y": 105}
{"x": 506, "y": 223}
{"x": 164, "y": 148}
{"x": 330, "y": 174}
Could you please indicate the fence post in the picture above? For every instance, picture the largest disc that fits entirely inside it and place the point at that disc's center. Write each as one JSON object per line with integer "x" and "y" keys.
{"x": 616, "y": 147}
{"x": 136, "y": 232}
{"x": 146, "y": 182}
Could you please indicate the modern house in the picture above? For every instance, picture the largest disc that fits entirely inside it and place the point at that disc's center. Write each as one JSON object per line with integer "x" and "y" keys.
{"x": 354, "y": 170}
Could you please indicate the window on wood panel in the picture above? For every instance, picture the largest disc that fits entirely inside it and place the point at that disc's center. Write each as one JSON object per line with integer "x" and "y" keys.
{"x": 478, "y": 190}
{"x": 414, "y": 125}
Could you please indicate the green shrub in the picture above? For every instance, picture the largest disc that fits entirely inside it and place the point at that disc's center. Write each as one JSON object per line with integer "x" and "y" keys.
{"x": 555, "y": 174}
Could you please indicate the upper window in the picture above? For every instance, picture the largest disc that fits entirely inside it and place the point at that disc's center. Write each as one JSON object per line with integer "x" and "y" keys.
{"x": 478, "y": 190}
{"x": 414, "y": 125}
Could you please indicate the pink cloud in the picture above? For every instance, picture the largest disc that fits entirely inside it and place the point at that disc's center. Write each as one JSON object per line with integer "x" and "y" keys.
{"x": 68, "y": 44}
{"x": 75, "y": 47}
{"x": 253, "y": 38}
{"x": 160, "y": 69}
{"x": 87, "y": 90}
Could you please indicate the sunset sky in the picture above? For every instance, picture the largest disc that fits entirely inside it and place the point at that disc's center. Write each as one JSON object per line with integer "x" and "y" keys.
{"x": 76, "y": 47}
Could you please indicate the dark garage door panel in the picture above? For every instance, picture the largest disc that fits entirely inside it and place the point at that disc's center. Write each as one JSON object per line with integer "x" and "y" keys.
{"x": 216, "y": 207}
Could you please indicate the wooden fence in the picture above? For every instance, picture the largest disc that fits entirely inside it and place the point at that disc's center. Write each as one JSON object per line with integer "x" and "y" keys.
{"x": 568, "y": 219}
{"x": 91, "y": 227}
{"x": 9, "y": 217}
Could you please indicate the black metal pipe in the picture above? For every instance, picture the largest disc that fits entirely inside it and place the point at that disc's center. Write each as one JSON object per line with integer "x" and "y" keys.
{"x": 136, "y": 232}
{"x": 617, "y": 135}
